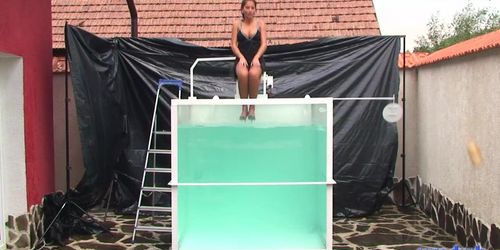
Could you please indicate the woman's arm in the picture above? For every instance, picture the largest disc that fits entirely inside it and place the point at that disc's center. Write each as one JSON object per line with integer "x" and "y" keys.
{"x": 263, "y": 40}
{"x": 234, "y": 40}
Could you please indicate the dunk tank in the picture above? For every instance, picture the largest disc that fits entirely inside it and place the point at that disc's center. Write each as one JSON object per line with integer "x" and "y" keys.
{"x": 262, "y": 184}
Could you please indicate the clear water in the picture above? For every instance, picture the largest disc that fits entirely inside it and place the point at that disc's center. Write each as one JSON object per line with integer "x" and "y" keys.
{"x": 251, "y": 217}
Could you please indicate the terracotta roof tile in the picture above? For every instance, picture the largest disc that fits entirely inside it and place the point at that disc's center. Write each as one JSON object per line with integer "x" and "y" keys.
{"x": 412, "y": 59}
{"x": 476, "y": 44}
{"x": 207, "y": 22}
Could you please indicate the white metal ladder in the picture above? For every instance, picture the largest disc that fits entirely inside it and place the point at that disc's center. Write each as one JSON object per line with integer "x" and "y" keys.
{"x": 151, "y": 171}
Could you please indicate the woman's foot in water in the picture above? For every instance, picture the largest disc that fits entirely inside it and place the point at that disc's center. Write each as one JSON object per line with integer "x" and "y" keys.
{"x": 244, "y": 113}
{"x": 251, "y": 113}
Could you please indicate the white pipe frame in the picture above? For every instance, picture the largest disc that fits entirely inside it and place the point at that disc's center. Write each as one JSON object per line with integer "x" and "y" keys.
{"x": 191, "y": 70}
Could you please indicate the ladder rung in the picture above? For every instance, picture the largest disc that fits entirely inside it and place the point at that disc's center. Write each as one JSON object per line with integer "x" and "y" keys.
{"x": 155, "y": 209}
{"x": 160, "y": 151}
{"x": 153, "y": 228}
{"x": 158, "y": 170}
{"x": 157, "y": 189}
{"x": 163, "y": 132}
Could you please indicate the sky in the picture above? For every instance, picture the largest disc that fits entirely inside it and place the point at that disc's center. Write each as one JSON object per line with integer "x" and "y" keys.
{"x": 410, "y": 17}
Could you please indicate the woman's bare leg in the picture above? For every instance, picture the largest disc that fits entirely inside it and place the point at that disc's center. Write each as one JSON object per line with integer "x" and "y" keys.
{"x": 242, "y": 73}
{"x": 254, "y": 75}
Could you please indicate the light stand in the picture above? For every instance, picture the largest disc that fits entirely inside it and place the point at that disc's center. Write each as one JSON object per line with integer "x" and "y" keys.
{"x": 404, "y": 184}
{"x": 67, "y": 199}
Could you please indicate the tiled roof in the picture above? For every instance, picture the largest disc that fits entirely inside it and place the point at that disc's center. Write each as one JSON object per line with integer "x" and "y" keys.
{"x": 411, "y": 60}
{"x": 208, "y": 22}
{"x": 474, "y": 45}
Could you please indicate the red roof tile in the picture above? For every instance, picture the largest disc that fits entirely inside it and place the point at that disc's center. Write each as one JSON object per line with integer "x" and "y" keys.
{"x": 411, "y": 60}
{"x": 476, "y": 44}
{"x": 208, "y": 22}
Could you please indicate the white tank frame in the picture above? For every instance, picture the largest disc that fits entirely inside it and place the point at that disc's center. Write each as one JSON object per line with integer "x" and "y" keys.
{"x": 329, "y": 182}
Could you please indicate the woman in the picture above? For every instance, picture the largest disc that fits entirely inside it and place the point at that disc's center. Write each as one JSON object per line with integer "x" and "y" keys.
{"x": 248, "y": 42}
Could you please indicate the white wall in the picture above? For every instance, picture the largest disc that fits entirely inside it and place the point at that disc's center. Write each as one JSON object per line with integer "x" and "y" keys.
{"x": 12, "y": 148}
{"x": 456, "y": 101}
{"x": 410, "y": 125}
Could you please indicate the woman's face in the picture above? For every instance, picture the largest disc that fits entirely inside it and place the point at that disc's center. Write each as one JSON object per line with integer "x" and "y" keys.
{"x": 248, "y": 10}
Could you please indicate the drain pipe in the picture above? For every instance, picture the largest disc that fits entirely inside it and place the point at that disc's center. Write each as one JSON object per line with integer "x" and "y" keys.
{"x": 133, "y": 18}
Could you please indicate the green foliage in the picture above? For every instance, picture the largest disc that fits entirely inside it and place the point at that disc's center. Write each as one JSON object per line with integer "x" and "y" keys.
{"x": 468, "y": 23}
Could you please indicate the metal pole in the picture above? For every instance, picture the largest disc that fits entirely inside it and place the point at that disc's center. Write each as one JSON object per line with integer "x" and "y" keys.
{"x": 66, "y": 120}
{"x": 363, "y": 98}
{"x": 133, "y": 18}
{"x": 403, "y": 100}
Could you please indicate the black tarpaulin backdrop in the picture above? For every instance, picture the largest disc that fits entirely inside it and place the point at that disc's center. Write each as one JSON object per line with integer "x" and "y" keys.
{"x": 115, "y": 81}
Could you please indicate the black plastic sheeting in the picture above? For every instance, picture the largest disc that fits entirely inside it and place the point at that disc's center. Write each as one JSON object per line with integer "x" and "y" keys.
{"x": 115, "y": 81}
{"x": 68, "y": 217}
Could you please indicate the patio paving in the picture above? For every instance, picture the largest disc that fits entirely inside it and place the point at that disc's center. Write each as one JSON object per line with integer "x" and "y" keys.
{"x": 390, "y": 228}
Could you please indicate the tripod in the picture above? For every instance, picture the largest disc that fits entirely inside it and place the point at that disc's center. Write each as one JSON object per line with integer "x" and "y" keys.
{"x": 71, "y": 215}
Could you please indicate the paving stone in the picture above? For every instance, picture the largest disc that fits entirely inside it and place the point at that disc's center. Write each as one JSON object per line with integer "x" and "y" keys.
{"x": 468, "y": 224}
{"x": 391, "y": 227}
{"x": 22, "y": 242}
{"x": 66, "y": 248}
{"x": 127, "y": 228}
{"x": 483, "y": 238}
{"x": 337, "y": 239}
{"x": 409, "y": 247}
{"x": 441, "y": 217}
{"x": 434, "y": 215}
{"x": 373, "y": 240}
{"x": 362, "y": 228}
{"x": 461, "y": 236}
{"x": 100, "y": 246}
{"x": 442, "y": 238}
{"x": 139, "y": 239}
{"x": 108, "y": 224}
{"x": 22, "y": 223}
{"x": 340, "y": 229}
{"x": 429, "y": 233}
{"x": 12, "y": 235}
{"x": 10, "y": 222}
{"x": 109, "y": 237}
{"x": 454, "y": 211}
{"x": 165, "y": 237}
{"x": 394, "y": 226}
{"x": 470, "y": 242}
{"x": 82, "y": 237}
{"x": 140, "y": 247}
{"x": 495, "y": 236}
{"x": 380, "y": 230}
{"x": 344, "y": 247}
{"x": 448, "y": 244}
{"x": 450, "y": 225}
{"x": 163, "y": 246}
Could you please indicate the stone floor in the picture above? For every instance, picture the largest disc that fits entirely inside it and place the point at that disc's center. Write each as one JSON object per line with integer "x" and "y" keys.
{"x": 390, "y": 228}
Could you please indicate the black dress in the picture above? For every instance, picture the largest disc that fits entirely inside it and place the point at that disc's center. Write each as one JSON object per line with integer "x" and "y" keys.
{"x": 249, "y": 46}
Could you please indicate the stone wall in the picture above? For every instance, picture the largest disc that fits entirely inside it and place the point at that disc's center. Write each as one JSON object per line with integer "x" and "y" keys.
{"x": 451, "y": 216}
{"x": 24, "y": 231}
{"x": 455, "y": 104}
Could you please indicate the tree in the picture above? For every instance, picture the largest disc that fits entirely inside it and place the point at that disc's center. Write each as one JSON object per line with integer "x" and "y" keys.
{"x": 467, "y": 23}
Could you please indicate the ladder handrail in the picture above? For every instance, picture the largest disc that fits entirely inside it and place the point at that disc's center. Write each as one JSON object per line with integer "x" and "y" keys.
{"x": 191, "y": 70}
{"x": 171, "y": 82}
